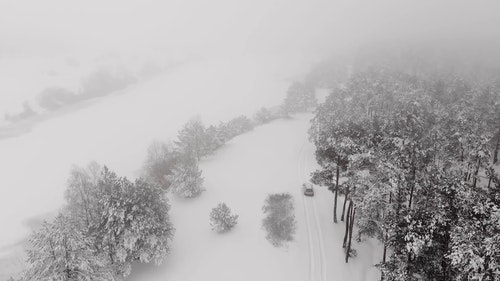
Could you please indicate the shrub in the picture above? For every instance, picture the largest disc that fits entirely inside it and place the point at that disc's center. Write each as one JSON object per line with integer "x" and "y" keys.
{"x": 221, "y": 218}
{"x": 279, "y": 222}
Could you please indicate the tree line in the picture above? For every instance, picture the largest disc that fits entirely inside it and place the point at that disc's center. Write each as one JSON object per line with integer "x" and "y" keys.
{"x": 419, "y": 156}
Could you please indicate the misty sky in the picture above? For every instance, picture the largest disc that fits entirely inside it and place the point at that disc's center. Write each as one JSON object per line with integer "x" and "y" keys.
{"x": 37, "y": 32}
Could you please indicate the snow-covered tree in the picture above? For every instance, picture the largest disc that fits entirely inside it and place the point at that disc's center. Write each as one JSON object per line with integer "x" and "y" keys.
{"x": 279, "y": 221}
{"x": 415, "y": 154}
{"x": 122, "y": 221}
{"x": 82, "y": 197}
{"x": 299, "y": 98}
{"x": 213, "y": 139}
{"x": 475, "y": 237}
{"x": 238, "y": 126}
{"x": 136, "y": 223}
{"x": 221, "y": 218}
{"x": 192, "y": 139}
{"x": 61, "y": 252}
{"x": 186, "y": 180}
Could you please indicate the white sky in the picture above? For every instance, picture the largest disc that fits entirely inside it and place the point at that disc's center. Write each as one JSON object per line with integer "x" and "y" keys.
{"x": 35, "y": 33}
{"x": 62, "y": 26}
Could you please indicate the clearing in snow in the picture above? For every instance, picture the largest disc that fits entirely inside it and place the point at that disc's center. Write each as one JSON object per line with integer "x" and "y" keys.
{"x": 273, "y": 158}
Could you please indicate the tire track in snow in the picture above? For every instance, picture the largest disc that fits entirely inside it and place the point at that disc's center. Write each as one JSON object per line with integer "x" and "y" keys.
{"x": 318, "y": 228}
{"x": 319, "y": 252}
{"x": 300, "y": 165}
{"x": 319, "y": 231}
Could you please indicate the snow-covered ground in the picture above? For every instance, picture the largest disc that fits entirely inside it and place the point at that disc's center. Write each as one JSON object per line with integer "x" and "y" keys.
{"x": 116, "y": 131}
{"x": 273, "y": 158}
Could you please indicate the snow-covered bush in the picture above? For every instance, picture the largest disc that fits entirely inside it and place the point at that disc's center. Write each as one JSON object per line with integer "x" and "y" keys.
{"x": 279, "y": 223}
{"x": 186, "y": 180}
{"x": 221, "y": 218}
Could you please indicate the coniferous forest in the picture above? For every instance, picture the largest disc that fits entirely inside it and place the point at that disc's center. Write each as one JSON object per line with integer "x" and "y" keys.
{"x": 416, "y": 155}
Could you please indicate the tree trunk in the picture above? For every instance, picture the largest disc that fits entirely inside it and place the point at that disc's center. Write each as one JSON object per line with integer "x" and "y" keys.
{"x": 336, "y": 195}
{"x": 461, "y": 153}
{"x": 353, "y": 210}
{"x": 345, "y": 201}
{"x": 110, "y": 252}
{"x": 383, "y": 261}
{"x": 497, "y": 147}
{"x": 347, "y": 222}
{"x": 412, "y": 182}
{"x": 384, "y": 256}
{"x": 476, "y": 172}
{"x": 411, "y": 195}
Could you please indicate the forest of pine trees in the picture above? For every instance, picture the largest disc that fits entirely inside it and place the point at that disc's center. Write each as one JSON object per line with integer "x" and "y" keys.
{"x": 417, "y": 155}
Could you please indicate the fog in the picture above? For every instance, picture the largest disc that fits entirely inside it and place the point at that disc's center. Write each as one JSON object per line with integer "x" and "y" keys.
{"x": 175, "y": 59}
{"x": 38, "y": 37}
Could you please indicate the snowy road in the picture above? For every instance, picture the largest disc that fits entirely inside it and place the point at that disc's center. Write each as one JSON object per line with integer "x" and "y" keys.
{"x": 317, "y": 258}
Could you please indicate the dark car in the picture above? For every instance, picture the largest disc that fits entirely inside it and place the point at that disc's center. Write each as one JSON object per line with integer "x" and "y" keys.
{"x": 308, "y": 190}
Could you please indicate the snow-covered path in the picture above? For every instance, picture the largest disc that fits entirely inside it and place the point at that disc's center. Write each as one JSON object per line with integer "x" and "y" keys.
{"x": 317, "y": 257}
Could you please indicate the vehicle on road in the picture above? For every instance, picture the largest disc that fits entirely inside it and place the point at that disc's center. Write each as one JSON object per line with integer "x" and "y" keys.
{"x": 308, "y": 189}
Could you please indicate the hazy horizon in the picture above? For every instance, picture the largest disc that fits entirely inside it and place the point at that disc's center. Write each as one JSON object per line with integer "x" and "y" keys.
{"x": 56, "y": 43}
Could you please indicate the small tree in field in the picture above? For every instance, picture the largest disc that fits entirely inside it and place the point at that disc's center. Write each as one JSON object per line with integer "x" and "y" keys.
{"x": 279, "y": 222}
{"x": 221, "y": 218}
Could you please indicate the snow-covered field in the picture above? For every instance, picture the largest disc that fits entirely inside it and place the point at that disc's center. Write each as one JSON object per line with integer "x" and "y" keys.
{"x": 276, "y": 157}
{"x": 116, "y": 131}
